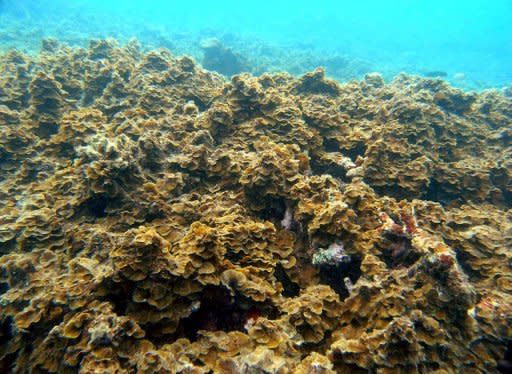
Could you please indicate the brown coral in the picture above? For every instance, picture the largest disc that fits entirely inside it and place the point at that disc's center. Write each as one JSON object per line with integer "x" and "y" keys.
{"x": 156, "y": 218}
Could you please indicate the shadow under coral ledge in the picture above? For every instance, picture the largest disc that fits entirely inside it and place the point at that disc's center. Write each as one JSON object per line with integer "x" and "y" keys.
{"x": 158, "y": 218}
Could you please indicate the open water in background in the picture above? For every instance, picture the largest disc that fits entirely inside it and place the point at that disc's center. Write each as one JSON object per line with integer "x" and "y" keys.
{"x": 470, "y": 40}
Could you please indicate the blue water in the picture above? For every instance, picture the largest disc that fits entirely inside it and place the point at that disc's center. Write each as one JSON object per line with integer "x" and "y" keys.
{"x": 470, "y": 41}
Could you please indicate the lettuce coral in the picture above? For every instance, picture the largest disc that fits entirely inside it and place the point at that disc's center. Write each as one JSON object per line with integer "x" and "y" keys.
{"x": 158, "y": 218}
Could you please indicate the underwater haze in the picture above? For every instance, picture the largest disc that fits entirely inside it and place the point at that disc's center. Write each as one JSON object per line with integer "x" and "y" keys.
{"x": 468, "y": 42}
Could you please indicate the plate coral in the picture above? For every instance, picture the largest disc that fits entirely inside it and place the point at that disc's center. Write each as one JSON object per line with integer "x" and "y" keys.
{"x": 155, "y": 217}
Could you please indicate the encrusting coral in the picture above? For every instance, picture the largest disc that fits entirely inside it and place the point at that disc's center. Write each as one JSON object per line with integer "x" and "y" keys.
{"x": 156, "y": 218}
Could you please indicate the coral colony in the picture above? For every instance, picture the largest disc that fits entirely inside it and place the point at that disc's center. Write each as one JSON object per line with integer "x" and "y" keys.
{"x": 158, "y": 218}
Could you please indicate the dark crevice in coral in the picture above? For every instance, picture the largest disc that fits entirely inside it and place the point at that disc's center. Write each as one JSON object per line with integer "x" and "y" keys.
{"x": 7, "y": 163}
{"x": 53, "y": 317}
{"x": 234, "y": 257}
{"x": 6, "y": 334}
{"x": 6, "y": 328}
{"x": 218, "y": 311}
{"x": 500, "y": 180}
{"x": 250, "y": 147}
{"x": 120, "y": 296}
{"x": 32, "y": 170}
{"x": 290, "y": 288}
{"x": 154, "y": 215}
{"x": 151, "y": 164}
{"x": 67, "y": 150}
{"x": 7, "y": 363}
{"x": 335, "y": 275}
{"x": 392, "y": 190}
{"x": 18, "y": 278}
{"x": 8, "y": 246}
{"x": 193, "y": 179}
{"x": 321, "y": 346}
{"x": 436, "y": 192}
{"x": 95, "y": 206}
{"x": 331, "y": 145}
{"x": 430, "y": 367}
{"x": 438, "y": 130}
{"x": 3, "y": 288}
{"x": 462, "y": 259}
{"x": 507, "y": 198}
{"x": 338, "y": 357}
{"x": 319, "y": 168}
{"x": 46, "y": 130}
{"x": 358, "y": 150}
{"x": 412, "y": 139}
{"x": 505, "y": 364}
{"x": 269, "y": 208}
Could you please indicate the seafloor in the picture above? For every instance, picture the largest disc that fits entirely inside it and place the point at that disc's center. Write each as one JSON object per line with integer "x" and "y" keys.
{"x": 157, "y": 218}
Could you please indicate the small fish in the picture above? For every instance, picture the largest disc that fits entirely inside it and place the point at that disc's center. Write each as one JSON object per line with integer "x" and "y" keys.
{"x": 459, "y": 76}
{"x": 435, "y": 74}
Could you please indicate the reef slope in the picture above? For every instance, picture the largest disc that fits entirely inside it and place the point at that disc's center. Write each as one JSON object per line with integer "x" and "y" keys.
{"x": 156, "y": 218}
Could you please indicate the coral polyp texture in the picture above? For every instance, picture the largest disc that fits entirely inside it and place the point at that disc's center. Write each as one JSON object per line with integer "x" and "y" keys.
{"x": 156, "y": 218}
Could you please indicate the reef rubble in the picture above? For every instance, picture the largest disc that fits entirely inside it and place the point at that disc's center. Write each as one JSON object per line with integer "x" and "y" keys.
{"x": 156, "y": 218}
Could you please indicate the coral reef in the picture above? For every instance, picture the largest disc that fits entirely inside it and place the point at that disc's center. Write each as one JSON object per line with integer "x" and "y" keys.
{"x": 156, "y": 218}
{"x": 23, "y": 25}
{"x": 219, "y": 58}
{"x": 216, "y": 49}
